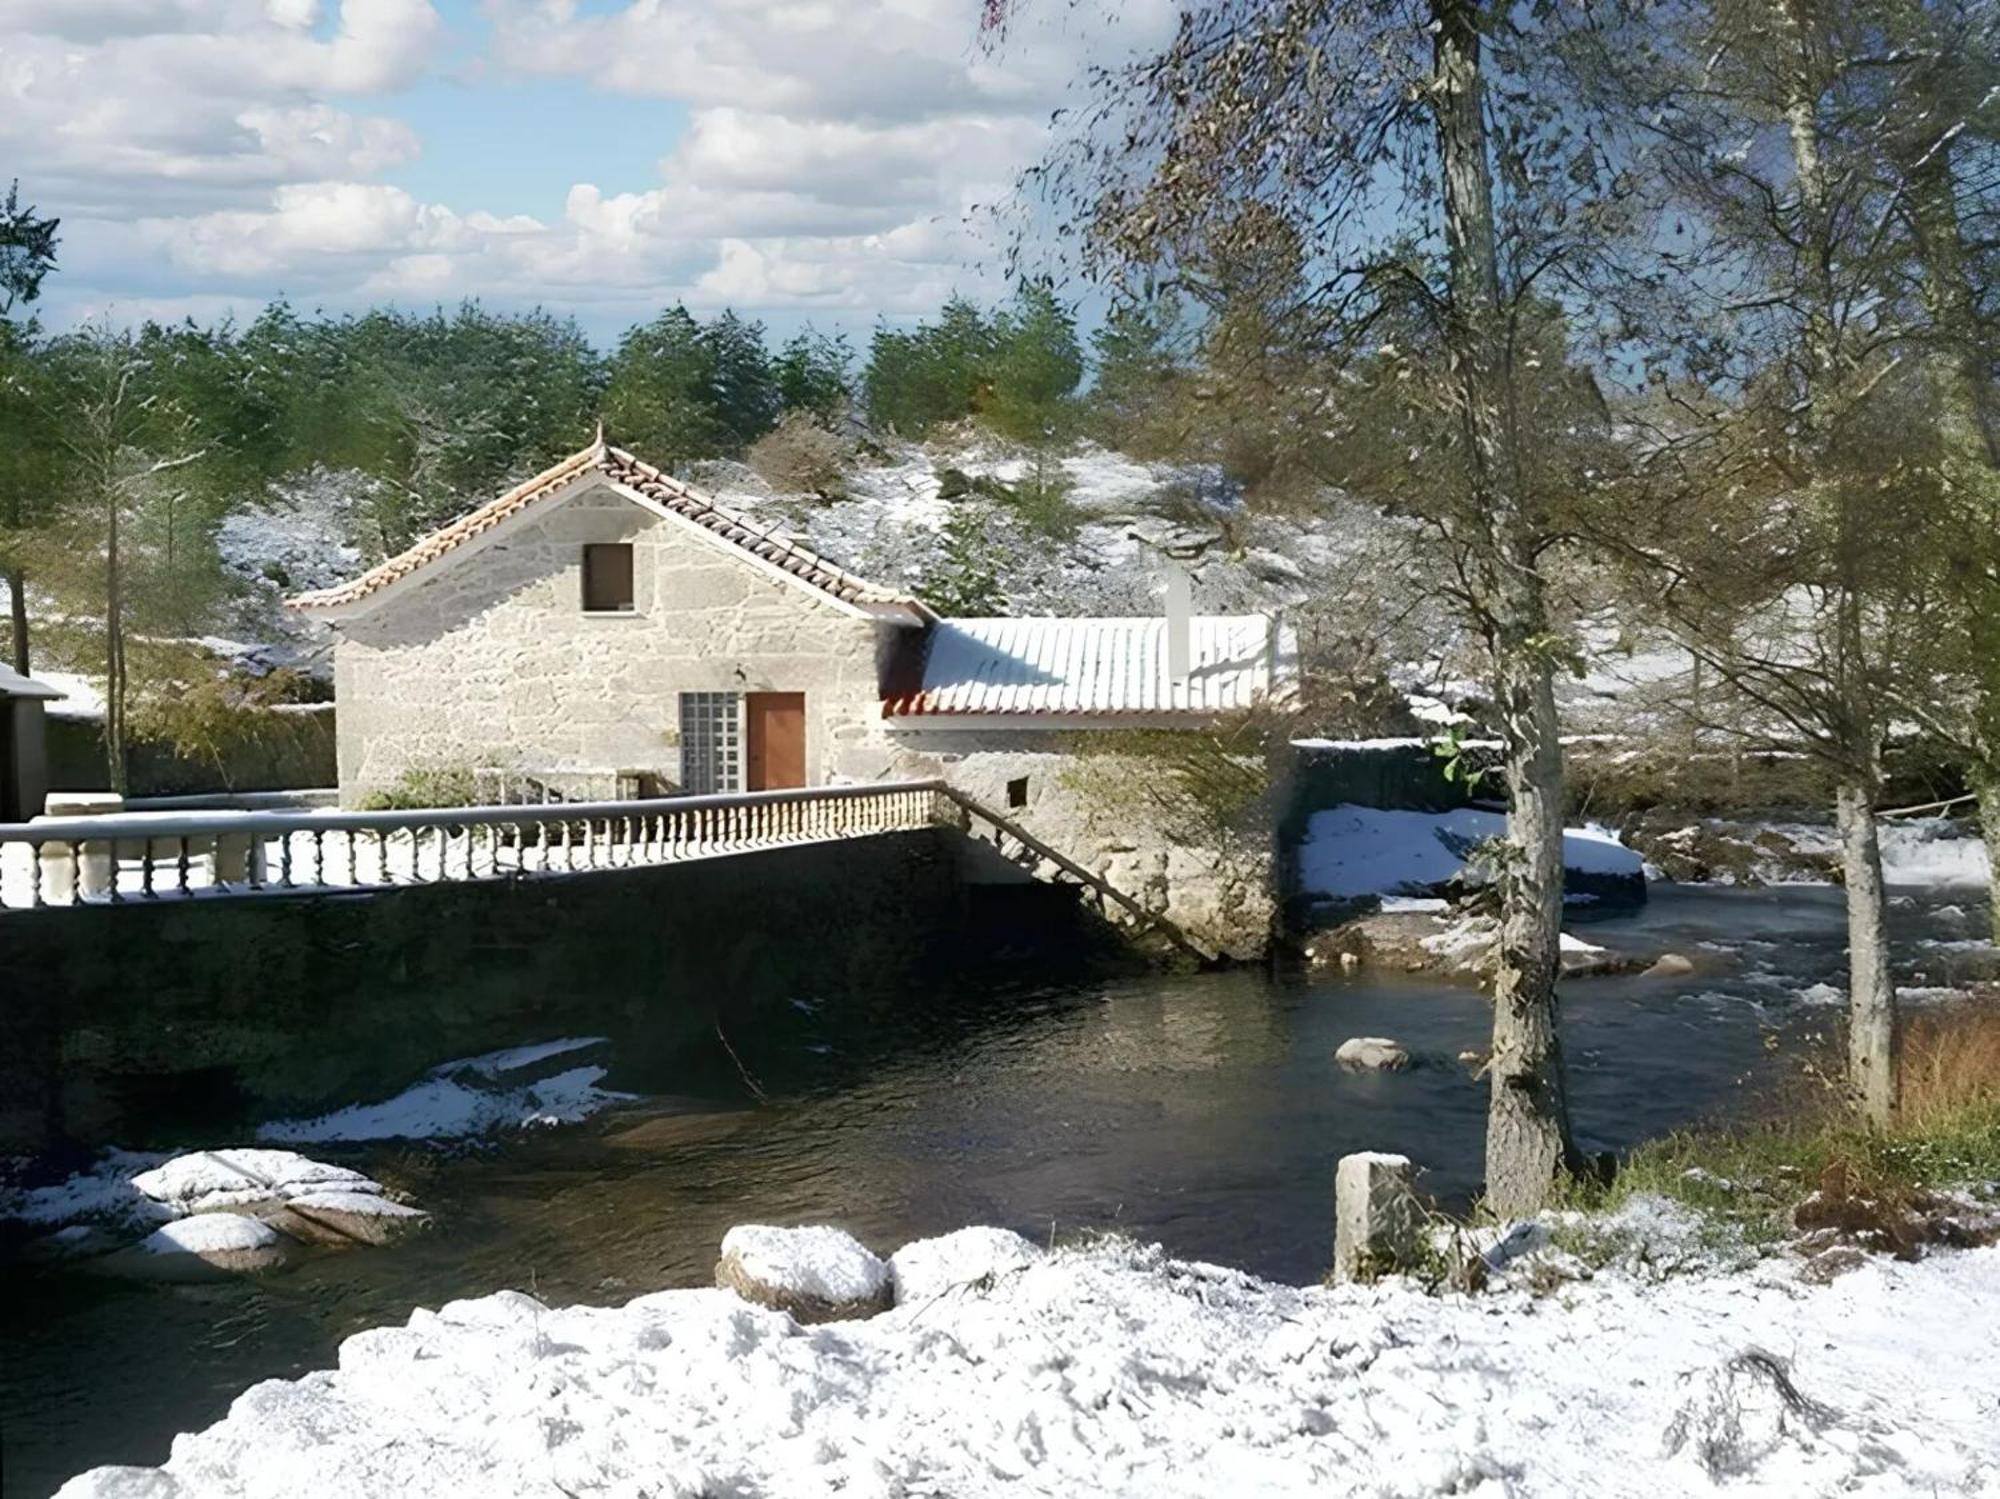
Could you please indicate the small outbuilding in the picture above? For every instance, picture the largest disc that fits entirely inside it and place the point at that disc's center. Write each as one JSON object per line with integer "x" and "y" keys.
{"x": 24, "y": 756}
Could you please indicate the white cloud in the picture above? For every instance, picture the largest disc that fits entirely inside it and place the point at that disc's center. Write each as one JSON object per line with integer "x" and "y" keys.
{"x": 130, "y": 106}
{"x": 831, "y": 156}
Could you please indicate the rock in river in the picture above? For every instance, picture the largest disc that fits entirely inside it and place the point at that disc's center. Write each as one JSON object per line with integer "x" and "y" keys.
{"x": 1372, "y": 1054}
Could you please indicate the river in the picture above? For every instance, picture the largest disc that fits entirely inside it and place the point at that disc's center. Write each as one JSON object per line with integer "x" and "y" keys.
{"x": 1203, "y": 1111}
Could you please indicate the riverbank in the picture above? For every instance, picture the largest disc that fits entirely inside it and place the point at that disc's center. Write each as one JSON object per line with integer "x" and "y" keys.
{"x": 1112, "y": 1369}
{"x": 1204, "y": 1112}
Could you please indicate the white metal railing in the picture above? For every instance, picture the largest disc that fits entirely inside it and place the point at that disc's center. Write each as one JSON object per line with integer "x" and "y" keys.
{"x": 122, "y": 857}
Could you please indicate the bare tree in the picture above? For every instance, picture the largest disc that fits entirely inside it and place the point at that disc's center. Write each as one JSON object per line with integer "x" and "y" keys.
{"x": 1793, "y": 486}
{"x": 1432, "y": 191}
{"x": 127, "y": 445}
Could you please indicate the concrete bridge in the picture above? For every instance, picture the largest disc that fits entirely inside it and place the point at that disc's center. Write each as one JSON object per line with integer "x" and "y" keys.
{"x": 111, "y": 859}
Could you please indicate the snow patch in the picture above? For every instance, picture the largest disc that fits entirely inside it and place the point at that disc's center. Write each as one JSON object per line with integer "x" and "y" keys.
{"x": 466, "y": 1097}
{"x": 971, "y": 1256}
{"x": 1351, "y": 851}
{"x": 1117, "y": 1371}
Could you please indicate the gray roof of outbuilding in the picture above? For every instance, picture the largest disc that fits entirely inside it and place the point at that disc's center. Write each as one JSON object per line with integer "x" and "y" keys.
{"x": 13, "y": 684}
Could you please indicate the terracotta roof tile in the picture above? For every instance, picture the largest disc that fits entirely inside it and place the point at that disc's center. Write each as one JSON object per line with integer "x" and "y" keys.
{"x": 621, "y": 468}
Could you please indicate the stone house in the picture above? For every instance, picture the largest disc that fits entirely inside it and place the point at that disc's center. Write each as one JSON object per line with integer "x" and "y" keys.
{"x": 604, "y": 631}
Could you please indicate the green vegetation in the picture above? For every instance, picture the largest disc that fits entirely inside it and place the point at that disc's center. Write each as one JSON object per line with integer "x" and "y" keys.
{"x": 425, "y": 786}
{"x": 1751, "y": 1181}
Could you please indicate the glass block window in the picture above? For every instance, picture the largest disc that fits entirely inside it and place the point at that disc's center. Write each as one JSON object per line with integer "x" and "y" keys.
{"x": 711, "y": 741}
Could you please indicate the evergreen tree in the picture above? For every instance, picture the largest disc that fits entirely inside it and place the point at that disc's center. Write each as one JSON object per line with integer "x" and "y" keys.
{"x": 964, "y": 583}
{"x": 811, "y": 371}
{"x": 935, "y": 373}
{"x": 1035, "y": 367}
{"x": 1139, "y": 376}
{"x": 660, "y": 397}
{"x": 742, "y": 387}
{"x": 27, "y": 250}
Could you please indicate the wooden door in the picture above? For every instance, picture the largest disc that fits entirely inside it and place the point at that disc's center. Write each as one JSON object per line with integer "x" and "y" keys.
{"x": 775, "y": 723}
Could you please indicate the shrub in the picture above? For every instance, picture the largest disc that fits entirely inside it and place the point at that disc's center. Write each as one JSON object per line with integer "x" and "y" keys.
{"x": 801, "y": 456}
{"x": 420, "y": 787}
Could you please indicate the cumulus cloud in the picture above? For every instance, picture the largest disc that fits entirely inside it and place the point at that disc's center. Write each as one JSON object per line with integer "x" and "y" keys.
{"x": 832, "y": 153}
{"x": 124, "y": 107}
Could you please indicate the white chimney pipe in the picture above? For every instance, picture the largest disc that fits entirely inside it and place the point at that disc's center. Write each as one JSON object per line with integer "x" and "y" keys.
{"x": 1180, "y": 627}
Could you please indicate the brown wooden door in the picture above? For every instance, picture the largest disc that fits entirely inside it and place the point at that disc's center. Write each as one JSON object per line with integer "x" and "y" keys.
{"x": 776, "y": 724}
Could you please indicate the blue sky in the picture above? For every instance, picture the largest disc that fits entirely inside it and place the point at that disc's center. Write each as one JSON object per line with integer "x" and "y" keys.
{"x": 799, "y": 160}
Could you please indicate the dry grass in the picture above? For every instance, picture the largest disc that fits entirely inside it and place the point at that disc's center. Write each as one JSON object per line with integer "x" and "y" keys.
{"x": 1949, "y": 1062}
{"x": 1755, "y": 1177}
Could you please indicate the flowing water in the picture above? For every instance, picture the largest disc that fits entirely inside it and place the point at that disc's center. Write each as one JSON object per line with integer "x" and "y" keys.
{"x": 1201, "y": 1111}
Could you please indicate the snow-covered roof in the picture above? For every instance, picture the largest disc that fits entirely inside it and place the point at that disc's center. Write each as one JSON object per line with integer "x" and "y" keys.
{"x": 647, "y": 486}
{"x": 1088, "y": 668}
{"x": 13, "y": 684}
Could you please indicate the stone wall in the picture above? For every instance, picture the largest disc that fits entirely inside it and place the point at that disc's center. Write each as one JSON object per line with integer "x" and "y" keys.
{"x": 183, "y": 1021}
{"x": 492, "y": 661}
{"x": 1221, "y": 891}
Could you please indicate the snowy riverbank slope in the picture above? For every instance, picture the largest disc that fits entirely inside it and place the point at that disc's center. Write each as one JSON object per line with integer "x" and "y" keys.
{"x": 1113, "y": 1370}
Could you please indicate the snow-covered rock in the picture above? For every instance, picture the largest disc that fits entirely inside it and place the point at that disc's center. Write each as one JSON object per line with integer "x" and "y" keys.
{"x": 511, "y": 1089}
{"x": 205, "y": 1181}
{"x": 1116, "y": 1371}
{"x": 818, "y": 1274}
{"x": 340, "y": 1219}
{"x": 1372, "y": 1054}
{"x": 198, "y": 1203}
{"x": 968, "y": 1257}
{"x": 231, "y": 1242}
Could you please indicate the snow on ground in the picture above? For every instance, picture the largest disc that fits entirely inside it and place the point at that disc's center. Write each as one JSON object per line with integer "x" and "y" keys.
{"x": 1936, "y": 852}
{"x": 82, "y": 694}
{"x": 469, "y": 1096}
{"x": 1352, "y": 851}
{"x": 103, "y": 1193}
{"x": 1113, "y": 1370}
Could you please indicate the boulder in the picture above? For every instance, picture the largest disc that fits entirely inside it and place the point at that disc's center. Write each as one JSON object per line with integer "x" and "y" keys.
{"x": 1372, "y": 1054}
{"x": 207, "y": 1181}
{"x": 971, "y": 1257}
{"x": 342, "y": 1219}
{"x": 817, "y": 1274}
{"x": 200, "y": 1248}
{"x": 1669, "y": 965}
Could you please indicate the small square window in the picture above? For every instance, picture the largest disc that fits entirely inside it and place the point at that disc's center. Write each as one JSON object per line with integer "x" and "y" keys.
{"x": 607, "y": 578}
{"x": 1017, "y": 792}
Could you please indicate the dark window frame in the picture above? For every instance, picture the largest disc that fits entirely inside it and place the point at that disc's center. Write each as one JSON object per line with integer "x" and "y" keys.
{"x": 627, "y": 598}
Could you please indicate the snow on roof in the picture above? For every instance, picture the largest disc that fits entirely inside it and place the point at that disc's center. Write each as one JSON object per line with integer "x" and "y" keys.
{"x": 651, "y": 488}
{"x": 13, "y": 684}
{"x": 1086, "y": 667}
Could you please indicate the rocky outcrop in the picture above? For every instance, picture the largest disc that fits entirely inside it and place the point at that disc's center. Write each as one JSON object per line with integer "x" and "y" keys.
{"x": 1716, "y": 852}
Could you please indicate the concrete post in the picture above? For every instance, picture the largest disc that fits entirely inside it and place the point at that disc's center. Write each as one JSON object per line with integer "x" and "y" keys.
{"x": 232, "y": 858}
{"x": 71, "y": 873}
{"x": 1376, "y": 1225}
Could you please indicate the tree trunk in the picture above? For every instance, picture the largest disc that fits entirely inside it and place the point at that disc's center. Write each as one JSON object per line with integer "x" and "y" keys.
{"x": 114, "y": 650}
{"x": 17, "y": 588}
{"x": 1986, "y": 786}
{"x": 1871, "y": 1001}
{"x": 1527, "y": 1128}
